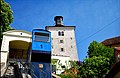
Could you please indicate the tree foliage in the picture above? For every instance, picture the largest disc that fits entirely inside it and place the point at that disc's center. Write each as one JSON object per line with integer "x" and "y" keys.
{"x": 97, "y": 65}
{"x": 69, "y": 75}
{"x": 73, "y": 71}
{"x": 94, "y": 67}
{"x": 6, "y": 17}
{"x": 75, "y": 64}
{"x": 98, "y": 49}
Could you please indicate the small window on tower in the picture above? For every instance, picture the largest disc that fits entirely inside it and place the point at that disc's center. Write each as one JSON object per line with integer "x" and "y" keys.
{"x": 61, "y": 33}
{"x": 61, "y": 41}
{"x": 62, "y": 49}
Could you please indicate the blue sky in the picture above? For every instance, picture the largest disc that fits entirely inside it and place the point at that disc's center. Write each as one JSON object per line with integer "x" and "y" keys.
{"x": 94, "y": 19}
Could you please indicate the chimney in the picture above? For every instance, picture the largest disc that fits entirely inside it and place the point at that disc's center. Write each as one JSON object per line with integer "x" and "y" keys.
{"x": 58, "y": 20}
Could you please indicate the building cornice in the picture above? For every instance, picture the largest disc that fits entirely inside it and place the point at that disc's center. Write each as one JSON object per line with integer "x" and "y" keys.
{"x": 60, "y": 27}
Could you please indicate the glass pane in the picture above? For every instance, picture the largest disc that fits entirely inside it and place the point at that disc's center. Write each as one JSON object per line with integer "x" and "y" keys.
{"x": 43, "y": 37}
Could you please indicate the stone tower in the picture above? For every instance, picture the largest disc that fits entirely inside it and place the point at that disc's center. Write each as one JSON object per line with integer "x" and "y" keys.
{"x": 63, "y": 39}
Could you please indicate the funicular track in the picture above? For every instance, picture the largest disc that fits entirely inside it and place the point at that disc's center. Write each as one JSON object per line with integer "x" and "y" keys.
{"x": 16, "y": 70}
{"x": 12, "y": 71}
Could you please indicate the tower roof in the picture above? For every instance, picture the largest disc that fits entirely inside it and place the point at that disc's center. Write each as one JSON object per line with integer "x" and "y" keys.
{"x": 58, "y": 17}
{"x": 58, "y": 20}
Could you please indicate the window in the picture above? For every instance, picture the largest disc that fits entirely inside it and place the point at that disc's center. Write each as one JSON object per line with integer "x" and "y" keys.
{"x": 61, "y": 41}
{"x": 43, "y": 37}
{"x": 60, "y": 33}
{"x": 59, "y": 21}
{"x": 62, "y": 49}
{"x": 63, "y": 66}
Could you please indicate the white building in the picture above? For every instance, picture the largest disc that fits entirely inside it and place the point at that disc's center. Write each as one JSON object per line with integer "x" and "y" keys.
{"x": 15, "y": 45}
{"x": 63, "y": 43}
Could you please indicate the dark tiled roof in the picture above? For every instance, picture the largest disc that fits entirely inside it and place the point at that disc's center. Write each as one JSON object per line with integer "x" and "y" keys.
{"x": 111, "y": 41}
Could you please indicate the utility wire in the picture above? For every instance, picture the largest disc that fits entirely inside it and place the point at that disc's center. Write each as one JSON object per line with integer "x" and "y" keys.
{"x": 99, "y": 30}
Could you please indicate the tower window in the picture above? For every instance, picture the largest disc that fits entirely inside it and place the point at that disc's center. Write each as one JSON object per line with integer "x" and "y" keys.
{"x": 60, "y": 33}
{"x": 20, "y": 33}
{"x": 59, "y": 21}
{"x": 62, "y": 49}
{"x": 61, "y": 41}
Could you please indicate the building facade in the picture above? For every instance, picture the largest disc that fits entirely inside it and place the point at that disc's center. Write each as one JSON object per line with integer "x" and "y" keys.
{"x": 15, "y": 45}
{"x": 63, "y": 39}
{"x": 64, "y": 47}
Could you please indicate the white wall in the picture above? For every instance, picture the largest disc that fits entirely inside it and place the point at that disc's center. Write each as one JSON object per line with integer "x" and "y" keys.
{"x": 11, "y": 36}
{"x": 69, "y": 44}
{"x": 63, "y": 61}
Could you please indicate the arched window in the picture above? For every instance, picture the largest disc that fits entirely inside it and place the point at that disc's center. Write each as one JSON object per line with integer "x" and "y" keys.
{"x": 61, "y": 33}
{"x": 61, "y": 49}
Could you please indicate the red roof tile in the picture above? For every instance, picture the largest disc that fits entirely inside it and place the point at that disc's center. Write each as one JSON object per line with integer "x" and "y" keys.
{"x": 111, "y": 41}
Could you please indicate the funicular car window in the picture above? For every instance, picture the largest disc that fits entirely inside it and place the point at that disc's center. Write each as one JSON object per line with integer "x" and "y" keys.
{"x": 43, "y": 37}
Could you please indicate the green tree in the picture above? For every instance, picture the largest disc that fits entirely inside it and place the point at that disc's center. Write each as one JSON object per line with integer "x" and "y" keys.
{"x": 97, "y": 65}
{"x": 98, "y": 49}
{"x": 75, "y": 64}
{"x": 94, "y": 67}
{"x": 6, "y": 17}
